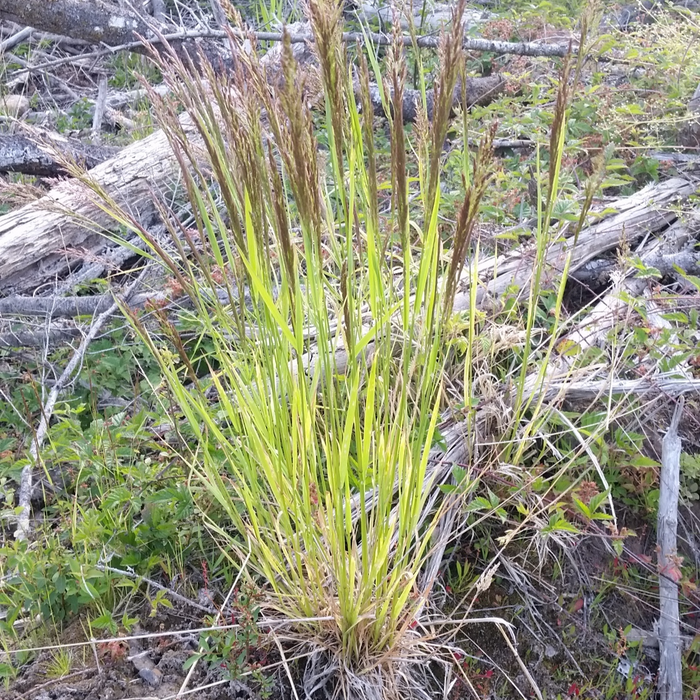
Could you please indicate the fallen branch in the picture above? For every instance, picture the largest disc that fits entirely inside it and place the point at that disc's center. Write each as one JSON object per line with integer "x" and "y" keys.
{"x": 97, "y": 22}
{"x": 479, "y": 91}
{"x": 38, "y": 339}
{"x": 675, "y": 250}
{"x": 670, "y": 682}
{"x": 121, "y": 30}
{"x": 69, "y": 307}
{"x": 648, "y": 211}
{"x": 17, "y": 38}
{"x": 573, "y": 389}
{"x": 41, "y": 234}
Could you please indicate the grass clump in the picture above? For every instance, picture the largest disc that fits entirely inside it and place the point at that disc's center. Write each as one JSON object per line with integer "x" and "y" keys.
{"x": 315, "y": 406}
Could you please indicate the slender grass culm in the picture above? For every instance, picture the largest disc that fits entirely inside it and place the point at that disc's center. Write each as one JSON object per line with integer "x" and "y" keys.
{"x": 314, "y": 408}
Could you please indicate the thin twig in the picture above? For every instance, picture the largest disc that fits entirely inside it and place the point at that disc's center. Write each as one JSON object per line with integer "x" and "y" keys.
{"x": 176, "y": 596}
{"x": 174, "y": 633}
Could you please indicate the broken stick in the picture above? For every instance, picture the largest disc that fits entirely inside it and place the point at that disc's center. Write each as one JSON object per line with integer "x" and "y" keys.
{"x": 670, "y": 686}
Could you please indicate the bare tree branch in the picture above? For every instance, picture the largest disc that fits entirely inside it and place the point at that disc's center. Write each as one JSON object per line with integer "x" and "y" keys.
{"x": 38, "y": 339}
{"x": 69, "y": 307}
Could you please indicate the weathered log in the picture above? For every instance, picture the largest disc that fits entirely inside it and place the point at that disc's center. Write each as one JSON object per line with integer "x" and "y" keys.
{"x": 97, "y": 22}
{"x": 674, "y": 248}
{"x": 26, "y": 154}
{"x": 100, "y": 22}
{"x": 69, "y": 307}
{"x": 46, "y": 239}
{"x": 56, "y": 231}
{"x": 647, "y": 211}
{"x": 38, "y": 339}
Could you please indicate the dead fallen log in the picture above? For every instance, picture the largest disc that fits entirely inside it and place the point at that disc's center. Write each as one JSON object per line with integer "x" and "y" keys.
{"x": 96, "y": 22}
{"x": 55, "y": 233}
{"x": 47, "y": 239}
{"x": 648, "y": 211}
{"x": 675, "y": 249}
{"x": 117, "y": 27}
{"x": 47, "y": 337}
{"x": 70, "y": 307}
{"x": 26, "y": 154}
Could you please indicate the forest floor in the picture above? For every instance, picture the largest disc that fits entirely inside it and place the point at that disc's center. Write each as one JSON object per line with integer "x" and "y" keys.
{"x": 108, "y": 597}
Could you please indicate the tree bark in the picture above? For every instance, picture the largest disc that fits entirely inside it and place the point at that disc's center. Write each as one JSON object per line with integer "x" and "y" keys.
{"x": 57, "y": 230}
{"x": 24, "y": 154}
{"x": 99, "y": 22}
{"x": 96, "y": 22}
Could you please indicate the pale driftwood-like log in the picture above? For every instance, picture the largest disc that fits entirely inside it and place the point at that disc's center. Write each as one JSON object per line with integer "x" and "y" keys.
{"x": 647, "y": 211}
{"x": 670, "y": 682}
{"x": 58, "y": 229}
{"x": 561, "y": 385}
{"x": 107, "y": 24}
{"x": 674, "y": 248}
{"x": 424, "y": 18}
{"x": 69, "y": 307}
{"x": 27, "y": 154}
{"x": 48, "y": 337}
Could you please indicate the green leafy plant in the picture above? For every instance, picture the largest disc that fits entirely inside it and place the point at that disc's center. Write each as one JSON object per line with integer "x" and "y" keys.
{"x": 79, "y": 117}
{"x": 690, "y": 477}
{"x": 239, "y": 652}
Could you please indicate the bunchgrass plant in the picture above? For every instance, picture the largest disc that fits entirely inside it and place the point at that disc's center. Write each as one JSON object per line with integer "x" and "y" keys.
{"x": 314, "y": 409}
